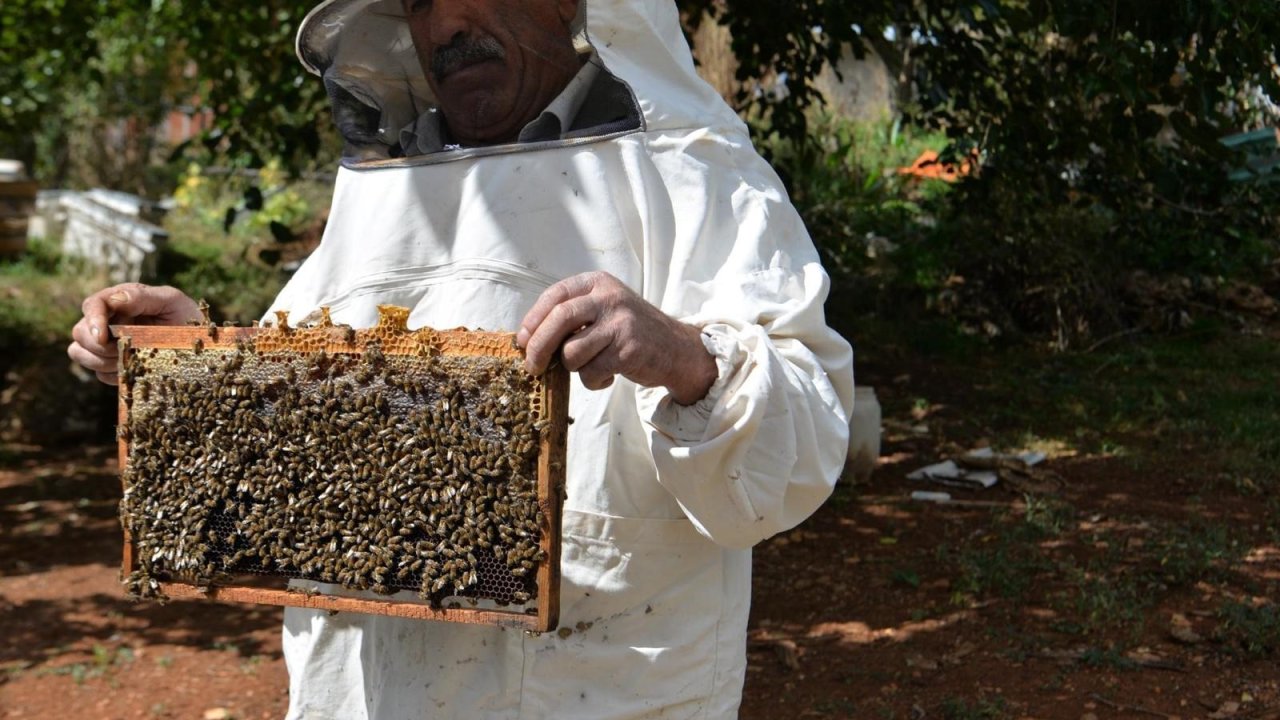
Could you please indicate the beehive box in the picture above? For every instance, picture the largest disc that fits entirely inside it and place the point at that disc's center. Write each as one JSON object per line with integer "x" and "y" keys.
{"x": 409, "y": 473}
{"x": 17, "y": 204}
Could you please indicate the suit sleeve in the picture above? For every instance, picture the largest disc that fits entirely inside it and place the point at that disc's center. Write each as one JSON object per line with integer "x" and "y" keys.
{"x": 763, "y": 449}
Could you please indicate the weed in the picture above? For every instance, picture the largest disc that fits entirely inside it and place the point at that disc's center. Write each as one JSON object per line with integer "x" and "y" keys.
{"x": 983, "y": 708}
{"x": 1106, "y": 600}
{"x": 907, "y": 577}
{"x": 1187, "y": 555}
{"x": 13, "y": 670}
{"x": 104, "y": 661}
{"x": 1048, "y": 517}
{"x": 1253, "y": 630}
{"x": 1006, "y": 565}
{"x": 1003, "y": 571}
{"x": 1111, "y": 657}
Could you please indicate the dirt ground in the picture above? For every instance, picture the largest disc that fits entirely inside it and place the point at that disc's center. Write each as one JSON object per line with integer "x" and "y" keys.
{"x": 1095, "y": 599}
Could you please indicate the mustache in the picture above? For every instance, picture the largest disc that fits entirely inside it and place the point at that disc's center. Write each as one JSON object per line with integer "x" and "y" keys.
{"x": 465, "y": 51}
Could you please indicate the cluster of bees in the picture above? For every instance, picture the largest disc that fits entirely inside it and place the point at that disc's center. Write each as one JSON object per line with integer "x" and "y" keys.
{"x": 368, "y": 470}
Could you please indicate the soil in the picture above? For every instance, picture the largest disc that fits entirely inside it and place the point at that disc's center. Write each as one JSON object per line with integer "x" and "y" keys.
{"x": 868, "y": 610}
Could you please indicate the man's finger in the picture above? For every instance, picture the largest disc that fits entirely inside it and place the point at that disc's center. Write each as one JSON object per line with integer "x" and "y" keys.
{"x": 562, "y": 321}
{"x": 97, "y": 345}
{"x": 143, "y": 301}
{"x": 595, "y": 376}
{"x": 102, "y": 307}
{"x": 91, "y": 361}
{"x": 109, "y": 378}
{"x": 562, "y": 291}
{"x": 96, "y": 317}
{"x": 585, "y": 346}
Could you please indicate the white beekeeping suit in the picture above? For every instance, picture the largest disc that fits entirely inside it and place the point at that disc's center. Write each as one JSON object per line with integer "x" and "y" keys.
{"x": 663, "y": 501}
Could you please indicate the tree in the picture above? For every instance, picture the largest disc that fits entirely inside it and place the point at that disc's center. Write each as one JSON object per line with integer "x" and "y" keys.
{"x": 1097, "y": 124}
{"x": 112, "y": 61}
{"x": 1108, "y": 111}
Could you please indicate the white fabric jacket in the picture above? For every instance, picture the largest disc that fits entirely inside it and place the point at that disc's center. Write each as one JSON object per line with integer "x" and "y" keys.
{"x": 663, "y": 501}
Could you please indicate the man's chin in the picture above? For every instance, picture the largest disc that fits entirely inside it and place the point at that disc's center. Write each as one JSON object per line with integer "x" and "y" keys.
{"x": 478, "y": 122}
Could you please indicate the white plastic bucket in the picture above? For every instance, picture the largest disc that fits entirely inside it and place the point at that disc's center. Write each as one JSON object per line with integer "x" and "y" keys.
{"x": 864, "y": 436}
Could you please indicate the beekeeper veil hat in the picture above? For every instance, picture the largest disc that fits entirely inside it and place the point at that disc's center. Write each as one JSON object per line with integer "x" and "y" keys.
{"x": 363, "y": 51}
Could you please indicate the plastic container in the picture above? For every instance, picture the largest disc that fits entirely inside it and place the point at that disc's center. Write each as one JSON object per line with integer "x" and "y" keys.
{"x": 864, "y": 436}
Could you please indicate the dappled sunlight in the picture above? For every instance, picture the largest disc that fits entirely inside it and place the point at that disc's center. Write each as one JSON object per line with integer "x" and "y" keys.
{"x": 1053, "y": 448}
{"x": 897, "y": 458}
{"x": 891, "y": 512}
{"x": 1116, "y": 526}
{"x": 1262, "y": 562}
{"x": 859, "y": 633}
{"x": 1040, "y": 613}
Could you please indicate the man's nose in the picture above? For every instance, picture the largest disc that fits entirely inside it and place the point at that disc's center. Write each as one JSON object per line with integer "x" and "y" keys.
{"x": 450, "y": 19}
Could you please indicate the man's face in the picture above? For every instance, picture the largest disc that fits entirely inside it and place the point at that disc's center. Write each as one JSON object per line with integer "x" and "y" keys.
{"x": 494, "y": 65}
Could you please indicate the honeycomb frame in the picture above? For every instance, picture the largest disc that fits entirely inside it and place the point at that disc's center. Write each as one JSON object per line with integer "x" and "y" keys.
{"x": 392, "y": 339}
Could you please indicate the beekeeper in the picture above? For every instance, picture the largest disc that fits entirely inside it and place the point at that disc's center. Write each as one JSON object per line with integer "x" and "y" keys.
{"x": 559, "y": 170}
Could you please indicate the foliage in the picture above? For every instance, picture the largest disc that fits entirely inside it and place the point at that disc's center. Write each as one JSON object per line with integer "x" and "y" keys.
{"x": 1251, "y": 629}
{"x": 40, "y": 296}
{"x": 115, "y": 69}
{"x": 1100, "y": 125}
{"x": 984, "y": 708}
{"x": 215, "y": 261}
{"x": 1096, "y": 125}
{"x": 266, "y": 105}
{"x": 846, "y": 184}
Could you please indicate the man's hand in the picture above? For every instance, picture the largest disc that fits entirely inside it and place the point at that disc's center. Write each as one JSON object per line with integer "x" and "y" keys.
{"x": 607, "y": 329}
{"x": 128, "y": 304}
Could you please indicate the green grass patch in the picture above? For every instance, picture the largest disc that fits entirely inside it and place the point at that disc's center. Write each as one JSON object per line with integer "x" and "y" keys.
{"x": 983, "y": 708}
{"x": 1252, "y": 630}
{"x": 1185, "y": 555}
{"x": 1104, "y": 599}
{"x": 105, "y": 661}
{"x": 1209, "y": 394}
{"x": 40, "y": 296}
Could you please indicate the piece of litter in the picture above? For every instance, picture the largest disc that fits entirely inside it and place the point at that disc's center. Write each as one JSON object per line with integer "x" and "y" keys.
{"x": 977, "y": 469}
{"x": 1029, "y": 458}
{"x": 930, "y": 496}
{"x": 949, "y": 473}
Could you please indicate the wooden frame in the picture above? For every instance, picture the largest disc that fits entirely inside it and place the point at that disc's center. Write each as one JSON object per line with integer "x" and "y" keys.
{"x": 395, "y": 339}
